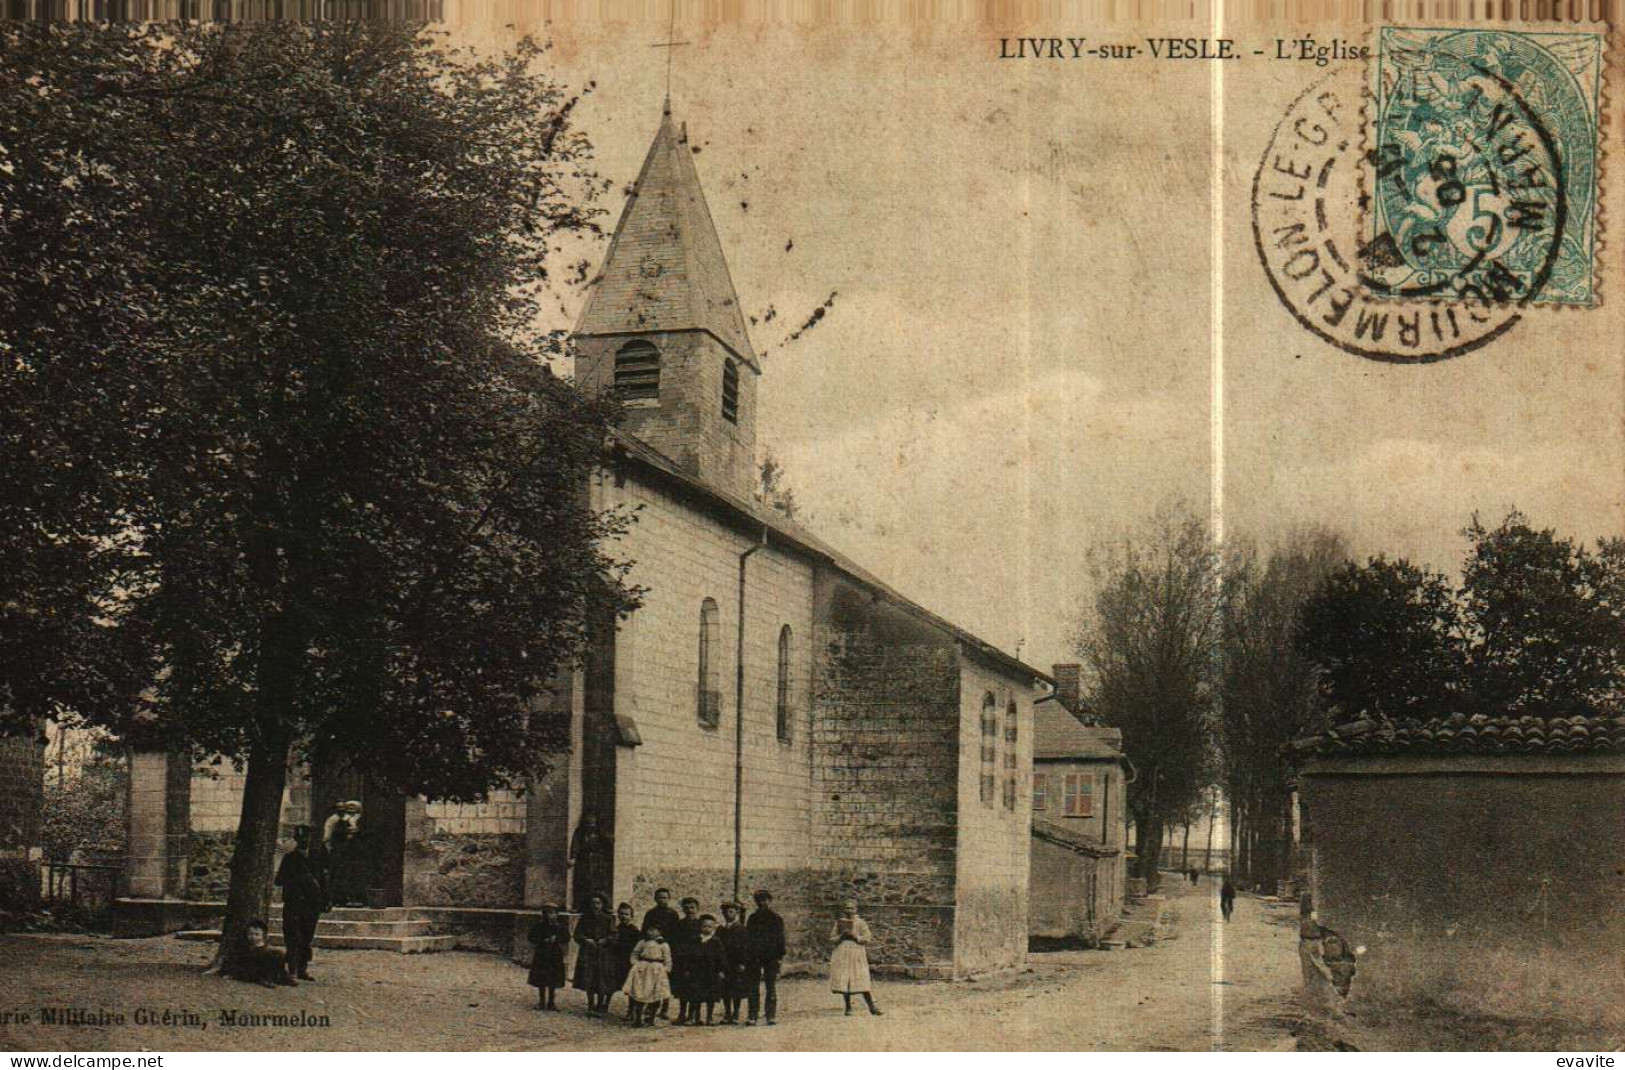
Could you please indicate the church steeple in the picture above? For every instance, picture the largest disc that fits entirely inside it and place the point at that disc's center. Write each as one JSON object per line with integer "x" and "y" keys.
{"x": 662, "y": 327}
{"x": 665, "y": 270}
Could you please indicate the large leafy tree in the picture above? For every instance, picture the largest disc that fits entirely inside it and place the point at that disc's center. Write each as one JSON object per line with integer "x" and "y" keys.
{"x": 1386, "y": 639}
{"x": 284, "y": 469}
{"x": 1536, "y": 627}
{"x": 1546, "y": 627}
{"x": 1268, "y": 690}
{"x": 1148, "y": 643}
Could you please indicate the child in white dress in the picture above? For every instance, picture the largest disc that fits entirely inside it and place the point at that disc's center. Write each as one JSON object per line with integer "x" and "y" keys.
{"x": 649, "y": 982}
{"x": 849, "y": 965}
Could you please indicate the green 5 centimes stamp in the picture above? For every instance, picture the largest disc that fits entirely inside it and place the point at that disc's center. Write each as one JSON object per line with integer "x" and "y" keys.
{"x": 1484, "y": 154}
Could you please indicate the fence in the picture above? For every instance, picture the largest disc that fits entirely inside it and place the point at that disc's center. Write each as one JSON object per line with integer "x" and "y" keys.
{"x": 82, "y": 885}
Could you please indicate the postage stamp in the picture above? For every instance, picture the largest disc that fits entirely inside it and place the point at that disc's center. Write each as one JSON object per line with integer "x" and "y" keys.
{"x": 1307, "y": 230}
{"x": 1484, "y": 148}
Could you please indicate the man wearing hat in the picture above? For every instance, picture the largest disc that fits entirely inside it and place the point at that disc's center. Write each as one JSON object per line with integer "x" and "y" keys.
{"x": 765, "y": 932}
{"x": 303, "y": 900}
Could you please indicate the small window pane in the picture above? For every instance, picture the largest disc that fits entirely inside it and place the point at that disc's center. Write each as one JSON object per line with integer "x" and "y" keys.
{"x": 708, "y": 690}
{"x": 783, "y": 704}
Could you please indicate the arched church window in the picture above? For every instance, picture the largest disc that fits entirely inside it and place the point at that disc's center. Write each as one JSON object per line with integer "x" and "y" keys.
{"x": 783, "y": 705}
{"x": 1012, "y": 772}
{"x": 990, "y": 746}
{"x": 730, "y": 391}
{"x": 637, "y": 372}
{"x": 709, "y": 687}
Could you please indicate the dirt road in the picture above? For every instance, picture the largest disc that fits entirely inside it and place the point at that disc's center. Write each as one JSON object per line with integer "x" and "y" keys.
{"x": 1205, "y": 984}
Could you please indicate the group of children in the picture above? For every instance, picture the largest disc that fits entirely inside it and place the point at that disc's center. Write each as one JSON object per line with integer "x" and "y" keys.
{"x": 691, "y": 958}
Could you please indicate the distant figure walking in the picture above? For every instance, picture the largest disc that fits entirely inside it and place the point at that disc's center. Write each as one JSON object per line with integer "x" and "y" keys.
{"x": 849, "y": 965}
{"x": 1227, "y": 898}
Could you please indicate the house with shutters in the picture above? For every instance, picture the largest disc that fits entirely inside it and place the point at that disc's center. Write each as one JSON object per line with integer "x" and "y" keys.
{"x": 772, "y": 716}
{"x": 1079, "y": 803}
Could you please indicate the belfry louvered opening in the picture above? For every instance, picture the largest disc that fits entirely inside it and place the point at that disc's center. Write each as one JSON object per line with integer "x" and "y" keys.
{"x": 637, "y": 372}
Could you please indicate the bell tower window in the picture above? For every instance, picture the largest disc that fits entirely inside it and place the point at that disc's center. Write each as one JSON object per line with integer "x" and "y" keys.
{"x": 730, "y": 391}
{"x": 637, "y": 372}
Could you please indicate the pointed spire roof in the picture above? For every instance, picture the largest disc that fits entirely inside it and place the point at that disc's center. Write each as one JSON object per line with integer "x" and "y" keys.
{"x": 665, "y": 270}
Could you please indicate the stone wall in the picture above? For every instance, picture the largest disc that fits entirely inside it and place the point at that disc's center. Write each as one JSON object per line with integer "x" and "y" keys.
{"x": 885, "y": 778}
{"x": 1072, "y": 894}
{"x": 22, "y": 786}
{"x": 468, "y": 869}
{"x": 210, "y": 864}
{"x": 1484, "y": 885}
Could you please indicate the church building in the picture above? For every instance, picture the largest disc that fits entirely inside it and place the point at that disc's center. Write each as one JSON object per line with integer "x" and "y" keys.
{"x": 773, "y": 716}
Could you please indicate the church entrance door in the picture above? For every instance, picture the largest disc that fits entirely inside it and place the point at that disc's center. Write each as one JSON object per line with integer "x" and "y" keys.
{"x": 365, "y": 858}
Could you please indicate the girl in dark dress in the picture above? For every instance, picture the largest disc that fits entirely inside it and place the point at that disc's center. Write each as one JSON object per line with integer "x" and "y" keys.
{"x": 549, "y": 937}
{"x": 736, "y": 942}
{"x": 593, "y": 931}
{"x": 707, "y": 971}
{"x": 626, "y": 939}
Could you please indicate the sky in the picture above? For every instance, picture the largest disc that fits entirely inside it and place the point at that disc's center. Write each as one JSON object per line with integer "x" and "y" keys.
{"x": 1018, "y": 365}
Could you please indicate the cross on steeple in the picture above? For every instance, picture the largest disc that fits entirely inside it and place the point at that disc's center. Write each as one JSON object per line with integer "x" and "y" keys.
{"x": 670, "y": 46}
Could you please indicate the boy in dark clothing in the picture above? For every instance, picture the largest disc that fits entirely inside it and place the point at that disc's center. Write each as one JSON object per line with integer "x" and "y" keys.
{"x": 1227, "y": 898}
{"x": 258, "y": 963}
{"x": 303, "y": 900}
{"x": 685, "y": 933}
{"x": 664, "y": 918}
{"x": 736, "y": 942}
{"x": 765, "y": 932}
{"x": 707, "y": 971}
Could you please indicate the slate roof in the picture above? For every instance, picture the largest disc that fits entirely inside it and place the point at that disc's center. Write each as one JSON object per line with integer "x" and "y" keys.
{"x": 787, "y": 531}
{"x": 1463, "y": 734}
{"x": 665, "y": 270}
{"x": 1062, "y": 836}
{"x": 1058, "y": 733}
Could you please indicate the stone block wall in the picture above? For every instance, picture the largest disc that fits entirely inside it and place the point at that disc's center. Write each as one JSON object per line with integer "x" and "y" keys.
{"x": 684, "y": 556}
{"x": 157, "y": 837}
{"x": 993, "y": 842}
{"x": 686, "y": 423}
{"x": 503, "y": 813}
{"x": 22, "y": 787}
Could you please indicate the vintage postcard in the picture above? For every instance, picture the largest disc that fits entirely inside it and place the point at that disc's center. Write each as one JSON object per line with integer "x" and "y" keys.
{"x": 775, "y": 527}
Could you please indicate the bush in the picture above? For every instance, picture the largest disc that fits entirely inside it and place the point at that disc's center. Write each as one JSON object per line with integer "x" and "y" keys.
{"x": 19, "y": 886}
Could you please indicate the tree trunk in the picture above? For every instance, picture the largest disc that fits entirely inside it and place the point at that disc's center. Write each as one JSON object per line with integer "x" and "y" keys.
{"x": 1185, "y": 850}
{"x": 1207, "y": 852}
{"x": 1151, "y": 854}
{"x": 253, "y": 856}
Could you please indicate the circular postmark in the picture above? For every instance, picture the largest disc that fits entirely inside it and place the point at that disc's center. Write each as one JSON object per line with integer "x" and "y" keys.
{"x": 1362, "y": 292}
